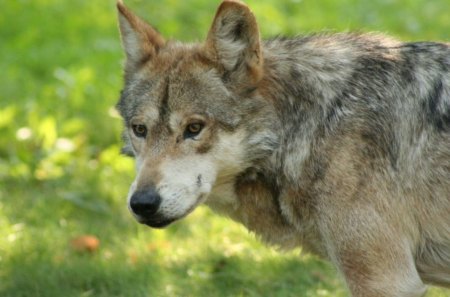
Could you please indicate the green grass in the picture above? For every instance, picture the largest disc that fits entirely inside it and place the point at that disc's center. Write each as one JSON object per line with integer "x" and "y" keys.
{"x": 61, "y": 174}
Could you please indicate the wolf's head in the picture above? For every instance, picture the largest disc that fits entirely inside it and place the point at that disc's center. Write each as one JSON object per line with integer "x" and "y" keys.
{"x": 193, "y": 115}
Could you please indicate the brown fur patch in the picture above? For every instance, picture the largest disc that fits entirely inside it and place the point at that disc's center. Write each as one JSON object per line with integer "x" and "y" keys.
{"x": 258, "y": 209}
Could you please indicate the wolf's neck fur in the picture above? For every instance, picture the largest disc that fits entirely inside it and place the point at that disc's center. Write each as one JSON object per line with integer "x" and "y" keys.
{"x": 304, "y": 83}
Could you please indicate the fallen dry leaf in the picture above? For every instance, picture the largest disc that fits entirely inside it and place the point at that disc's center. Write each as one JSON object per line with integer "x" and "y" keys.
{"x": 85, "y": 243}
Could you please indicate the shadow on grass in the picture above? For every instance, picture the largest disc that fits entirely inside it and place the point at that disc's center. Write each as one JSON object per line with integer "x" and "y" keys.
{"x": 183, "y": 260}
{"x": 47, "y": 274}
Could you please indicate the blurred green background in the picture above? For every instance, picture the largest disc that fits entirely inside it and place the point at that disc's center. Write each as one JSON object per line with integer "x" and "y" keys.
{"x": 61, "y": 174}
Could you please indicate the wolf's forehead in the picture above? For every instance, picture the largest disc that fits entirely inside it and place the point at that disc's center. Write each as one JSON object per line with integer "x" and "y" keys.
{"x": 138, "y": 98}
{"x": 147, "y": 103}
{"x": 187, "y": 91}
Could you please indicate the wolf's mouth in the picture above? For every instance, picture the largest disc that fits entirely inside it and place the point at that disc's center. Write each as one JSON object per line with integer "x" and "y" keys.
{"x": 156, "y": 222}
{"x": 159, "y": 220}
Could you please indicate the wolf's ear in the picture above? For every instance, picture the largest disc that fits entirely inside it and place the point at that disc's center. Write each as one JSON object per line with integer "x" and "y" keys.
{"x": 140, "y": 41}
{"x": 234, "y": 42}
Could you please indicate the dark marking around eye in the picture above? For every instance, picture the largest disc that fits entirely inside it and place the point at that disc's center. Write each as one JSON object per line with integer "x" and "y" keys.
{"x": 199, "y": 180}
{"x": 204, "y": 148}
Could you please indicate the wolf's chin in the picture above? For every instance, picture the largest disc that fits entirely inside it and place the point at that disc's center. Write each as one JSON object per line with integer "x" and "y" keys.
{"x": 159, "y": 224}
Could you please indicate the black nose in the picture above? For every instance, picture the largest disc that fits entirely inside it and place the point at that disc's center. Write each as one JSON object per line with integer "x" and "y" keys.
{"x": 145, "y": 203}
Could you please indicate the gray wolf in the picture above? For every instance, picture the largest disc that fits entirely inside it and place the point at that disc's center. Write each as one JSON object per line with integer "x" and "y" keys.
{"x": 339, "y": 143}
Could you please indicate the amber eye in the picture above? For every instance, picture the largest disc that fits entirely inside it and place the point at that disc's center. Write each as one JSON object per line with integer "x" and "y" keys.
{"x": 193, "y": 130}
{"x": 139, "y": 130}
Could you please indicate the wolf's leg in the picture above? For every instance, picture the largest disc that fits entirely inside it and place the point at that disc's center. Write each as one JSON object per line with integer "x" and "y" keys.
{"x": 377, "y": 281}
{"x": 433, "y": 263}
{"x": 375, "y": 260}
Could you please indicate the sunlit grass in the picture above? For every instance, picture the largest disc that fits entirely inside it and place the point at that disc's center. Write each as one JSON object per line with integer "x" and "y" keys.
{"x": 61, "y": 174}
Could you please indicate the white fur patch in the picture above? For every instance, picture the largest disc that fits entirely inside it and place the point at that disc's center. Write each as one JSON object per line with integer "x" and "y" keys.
{"x": 229, "y": 51}
{"x": 229, "y": 155}
{"x": 131, "y": 41}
